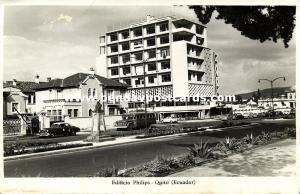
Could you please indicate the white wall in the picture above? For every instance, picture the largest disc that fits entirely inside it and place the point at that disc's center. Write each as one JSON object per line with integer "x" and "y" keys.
{"x": 179, "y": 69}
{"x": 81, "y": 122}
{"x": 101, "y": 68}
{"x": 86, "y": 122}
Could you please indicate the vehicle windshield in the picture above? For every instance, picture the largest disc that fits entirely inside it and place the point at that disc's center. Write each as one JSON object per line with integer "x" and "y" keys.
{"x": 55, "y": 125}
{"x": 127, "y": 117}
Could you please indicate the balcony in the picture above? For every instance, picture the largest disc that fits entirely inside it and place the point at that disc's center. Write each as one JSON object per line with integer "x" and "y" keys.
{"x": 63, "y": 101}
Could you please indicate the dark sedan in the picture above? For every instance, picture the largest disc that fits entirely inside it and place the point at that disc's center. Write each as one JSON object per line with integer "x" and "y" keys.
{"x": 59, "y": 129}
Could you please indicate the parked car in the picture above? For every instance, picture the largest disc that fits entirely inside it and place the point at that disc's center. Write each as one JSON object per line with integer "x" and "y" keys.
{"x": 238, "y": 116}
{"x": 170, "y": 120}
{"x": 59, "y": 129}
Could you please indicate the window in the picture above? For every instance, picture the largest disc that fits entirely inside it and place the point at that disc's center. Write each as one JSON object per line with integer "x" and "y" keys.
{"x": 130, "y": 105}
{"x": 137, "y": 32}
{"x": 200, "y": 41}
{"x": 114, "y": 60}
{"x": 125, "y": 34}
{"x": 114, "y": 48}
{"x": 151, "y": 54}
{"x": 126, "y": 70}
{"x": 164, "y": 39}
{"x": 127, "y": 81}
{"x": 59, "y": 115}
{"x": 94, "y": 92}
{"x": 113, "y": 37}
{"x": 114, "y": 71}
{"x": 165, "y": 65}
{"x": 139, "y": 81}
{"x": 48, "y": 112}
{"x": 166, "y": 78}
{"x": 15, "y": 107}
{"x": 70, "y": 112}
{"x": 125, "y": 46}
{"x": 199, "y": 30}
{"x": 151, "y": 79}
{"x": 199, "y": 77}
{"x": 164, "y": 53}
{"x": 150, "y": 29}
{"x": 110, "y": 93}
{"x": 111, "y": 111}
{"x": 151, "y": 67}
{"x": 126, "y": 59}
{"x": 151, "y": 42}
{"x": 139, "y": 56}
{"x": 190, "y": 76}
{"x": 138, "y": 44}
{"x": 89, "y": 92}
{"x": 75, "y": 112}
{"x": 33, "y": 99}
{"x": 163, "y": 27}
{"x": 90, "y": 113}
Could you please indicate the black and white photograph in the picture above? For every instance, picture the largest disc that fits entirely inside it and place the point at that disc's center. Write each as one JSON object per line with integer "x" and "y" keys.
{"x": 149, "y": 91}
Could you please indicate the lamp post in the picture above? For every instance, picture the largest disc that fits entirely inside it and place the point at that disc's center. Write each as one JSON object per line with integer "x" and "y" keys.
{"x": 272, "y": 95}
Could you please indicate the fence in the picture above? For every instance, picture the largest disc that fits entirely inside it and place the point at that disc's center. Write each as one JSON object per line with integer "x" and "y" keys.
{"x": 12, "y": 126}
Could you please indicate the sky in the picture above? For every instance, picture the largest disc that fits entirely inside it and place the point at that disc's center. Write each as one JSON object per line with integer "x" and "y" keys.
{"x": 57, "y": 41}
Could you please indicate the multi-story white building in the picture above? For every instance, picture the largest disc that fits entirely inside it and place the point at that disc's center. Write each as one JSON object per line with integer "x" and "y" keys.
{"x": 174, "y": 51}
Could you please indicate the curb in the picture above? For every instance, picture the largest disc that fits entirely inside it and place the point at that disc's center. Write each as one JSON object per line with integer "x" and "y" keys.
{"x": 84, "y": 148}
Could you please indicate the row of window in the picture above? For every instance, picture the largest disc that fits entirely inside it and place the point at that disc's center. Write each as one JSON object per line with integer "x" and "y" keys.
{"x": 151, "y": 79}
{"x": 151, "y": 54}
{"x": 55, "y": 115}
{"x": 137, "y": 44}
{"x": 73, "y": 112}
{"x": 137, "y": 32}
{"x": 160, "y": 104}
{"x": 150, "y": 67}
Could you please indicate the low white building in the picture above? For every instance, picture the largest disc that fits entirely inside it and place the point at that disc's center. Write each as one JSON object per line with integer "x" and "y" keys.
{"x": 286, "y": 103}
{"x": 76, "y": 96}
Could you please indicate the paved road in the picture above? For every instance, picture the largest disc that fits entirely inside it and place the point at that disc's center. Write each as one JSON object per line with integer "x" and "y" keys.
{"x": 86, "y": 163}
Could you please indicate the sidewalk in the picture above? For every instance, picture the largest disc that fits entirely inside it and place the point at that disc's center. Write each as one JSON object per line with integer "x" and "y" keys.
{"x": 277, "y": 159}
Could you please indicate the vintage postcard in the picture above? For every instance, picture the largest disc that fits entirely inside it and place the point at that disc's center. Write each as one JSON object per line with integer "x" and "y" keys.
{"x": 148, "y": 97}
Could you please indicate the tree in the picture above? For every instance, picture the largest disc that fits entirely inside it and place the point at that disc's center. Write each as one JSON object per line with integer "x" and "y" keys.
{"x": 255, "y": 22}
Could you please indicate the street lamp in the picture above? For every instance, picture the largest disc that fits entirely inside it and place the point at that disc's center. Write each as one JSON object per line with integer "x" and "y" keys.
{"x": 272, "y": 95}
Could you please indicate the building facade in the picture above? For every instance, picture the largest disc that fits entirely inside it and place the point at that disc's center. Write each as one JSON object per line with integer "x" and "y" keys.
{"x": 20, "y": 95}
{"x": 77, "y": 95}
{"x": 174, "y": 51}
{"x": 286, "y": 103}
{"x": 173, "y": 57}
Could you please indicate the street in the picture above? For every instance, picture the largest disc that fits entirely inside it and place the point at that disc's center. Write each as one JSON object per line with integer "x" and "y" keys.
{"x": 87, "y": 163}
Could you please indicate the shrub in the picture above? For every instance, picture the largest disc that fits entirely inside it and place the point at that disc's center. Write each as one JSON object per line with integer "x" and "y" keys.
{"x": 231, "y": 144}
{"x": 159, "y": 165}
{"x": 291, "y": 132}
{"x": 201, "y": 150}
{"x": 107, "y": 172}
{"x": 248, "y": 139}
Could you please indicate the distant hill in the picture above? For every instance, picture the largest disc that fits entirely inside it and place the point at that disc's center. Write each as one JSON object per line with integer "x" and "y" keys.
{"x": 265, "y": 93}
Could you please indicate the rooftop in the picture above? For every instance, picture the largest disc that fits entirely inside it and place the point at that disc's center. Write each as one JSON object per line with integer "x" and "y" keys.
{"x": 24, "y": 86}
{"x": 76, "y": 79}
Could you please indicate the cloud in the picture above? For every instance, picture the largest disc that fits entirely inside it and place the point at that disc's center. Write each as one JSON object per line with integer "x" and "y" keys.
{"x": 60, "y": 23}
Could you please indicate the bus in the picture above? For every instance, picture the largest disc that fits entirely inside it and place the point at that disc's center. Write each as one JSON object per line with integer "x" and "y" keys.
{"x": 134, "y": 121}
